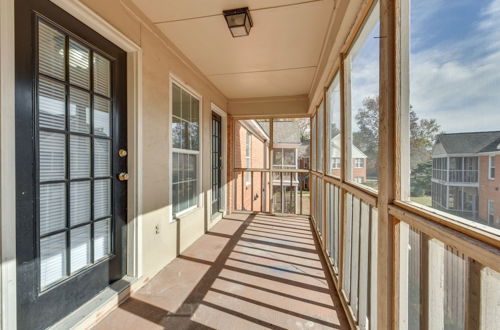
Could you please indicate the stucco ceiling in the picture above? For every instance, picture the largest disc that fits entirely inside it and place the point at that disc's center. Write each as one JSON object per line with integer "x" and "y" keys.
{"x": 278, "y": 58}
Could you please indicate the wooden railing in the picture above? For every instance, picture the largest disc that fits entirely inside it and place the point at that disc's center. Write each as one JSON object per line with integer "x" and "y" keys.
{"x": 273, "y": 191}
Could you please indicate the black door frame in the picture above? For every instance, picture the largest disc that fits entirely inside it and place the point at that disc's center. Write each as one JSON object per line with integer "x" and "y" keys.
{"x": 72, "y": 292}
{"x": 216, "y": 162}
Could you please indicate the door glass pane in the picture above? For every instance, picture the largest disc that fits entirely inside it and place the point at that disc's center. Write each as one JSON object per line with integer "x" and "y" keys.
{"x": 52, "y": 156}
{"x": 52, "y": 259}
{"x": 79, "y": 68}
{"x": 102, "y": 118}
{"x": 102, "y": 155}
{"x": 52, "y": 207}
{"x": 50, "y": 51}
{"x": 102, "y": 75}
{"x": 51, "y": 104}
{"x": 79, "y": 110}
{"x": 102, "y": 200}
{"x": 80, "y": 156}
{"x": 80, "y": 247}
{"x": 102, "y": 232}
{"x": 80, "y": 202}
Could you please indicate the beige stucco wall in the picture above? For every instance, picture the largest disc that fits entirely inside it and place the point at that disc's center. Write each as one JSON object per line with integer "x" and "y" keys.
{"x": 160, "y": 59}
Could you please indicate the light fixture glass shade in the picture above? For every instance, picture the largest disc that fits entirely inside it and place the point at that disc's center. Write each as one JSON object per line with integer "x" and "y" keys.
{"x": 238, "y": 21}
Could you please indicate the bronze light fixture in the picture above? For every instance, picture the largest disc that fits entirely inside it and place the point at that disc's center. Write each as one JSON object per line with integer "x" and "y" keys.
{"x": 239, "y": 21}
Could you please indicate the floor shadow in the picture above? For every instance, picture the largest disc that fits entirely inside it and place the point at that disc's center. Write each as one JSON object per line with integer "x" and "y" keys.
{"x": 194, "y": 299}
{"x": 263, "y": 277}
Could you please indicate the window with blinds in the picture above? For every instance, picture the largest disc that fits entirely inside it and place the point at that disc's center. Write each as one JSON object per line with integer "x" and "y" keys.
{"x": 186, "y": 149}
{"x": 74, "y": 139}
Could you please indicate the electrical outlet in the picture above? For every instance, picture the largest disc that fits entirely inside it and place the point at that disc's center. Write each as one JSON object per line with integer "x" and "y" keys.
{"x": 157, "y": 229}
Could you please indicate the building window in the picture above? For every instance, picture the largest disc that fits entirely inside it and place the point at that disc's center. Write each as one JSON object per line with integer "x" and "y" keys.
{"x": 491, "y": 212}
{"x": 491, "y": 168}
{"x": 248, "y": 158}
{"x": 186, "y": 149}
{"x": 358, "y": 179}
{"x": 336, "y": 163}
{"x": 359, "y": 163}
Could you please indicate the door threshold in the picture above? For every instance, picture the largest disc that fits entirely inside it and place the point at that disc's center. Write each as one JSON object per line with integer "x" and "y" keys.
{"x": 98, "y": 307}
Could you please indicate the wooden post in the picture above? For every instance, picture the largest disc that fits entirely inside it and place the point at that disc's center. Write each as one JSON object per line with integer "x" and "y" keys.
{"x": 271, "y": 178}
{"x": 231, "y": 182}
{"x": 389, "y": 98}
{"x": 343, "y": 155}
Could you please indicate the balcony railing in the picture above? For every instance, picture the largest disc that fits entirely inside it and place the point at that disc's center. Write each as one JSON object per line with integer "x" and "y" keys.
{"x": 468, "y": 176}
{"x": 274, "y": 191}
{"x": 456, "y": 176}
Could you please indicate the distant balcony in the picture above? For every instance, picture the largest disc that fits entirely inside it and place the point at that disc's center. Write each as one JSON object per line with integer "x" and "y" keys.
{"x": 456, "y": 176}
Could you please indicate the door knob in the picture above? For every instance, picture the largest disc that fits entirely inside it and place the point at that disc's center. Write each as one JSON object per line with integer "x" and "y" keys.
{"x": 122, "y": 153}
{"x": 123, "y": 176}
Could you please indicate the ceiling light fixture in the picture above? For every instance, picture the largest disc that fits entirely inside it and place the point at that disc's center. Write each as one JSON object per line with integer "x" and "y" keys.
{"x": 239, "y": 21}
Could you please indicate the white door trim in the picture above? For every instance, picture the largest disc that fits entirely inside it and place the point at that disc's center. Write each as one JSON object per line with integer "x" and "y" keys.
{"x": 7, "y": 168}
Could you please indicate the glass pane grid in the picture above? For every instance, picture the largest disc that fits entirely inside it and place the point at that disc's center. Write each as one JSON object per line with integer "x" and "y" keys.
{"x": 73, "y": 234}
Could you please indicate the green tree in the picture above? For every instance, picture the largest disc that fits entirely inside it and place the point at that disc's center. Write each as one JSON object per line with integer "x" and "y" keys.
{"x": 420, "y": 179}
{"x": 423, "y": 133}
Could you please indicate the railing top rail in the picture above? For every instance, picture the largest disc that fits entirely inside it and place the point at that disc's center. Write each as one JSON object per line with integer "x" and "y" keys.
{"x": 268, "y": 170}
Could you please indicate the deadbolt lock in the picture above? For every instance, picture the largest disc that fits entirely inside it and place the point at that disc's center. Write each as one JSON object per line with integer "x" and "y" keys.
{"x": 122, "y": 153}
{"x": 123, "y": 176}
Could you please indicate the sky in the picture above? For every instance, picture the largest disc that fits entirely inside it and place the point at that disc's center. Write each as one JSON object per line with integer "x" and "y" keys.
{"x": 454, "y": 64}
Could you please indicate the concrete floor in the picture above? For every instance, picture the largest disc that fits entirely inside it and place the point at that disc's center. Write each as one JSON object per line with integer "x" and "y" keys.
{"x": 248, "y": 272}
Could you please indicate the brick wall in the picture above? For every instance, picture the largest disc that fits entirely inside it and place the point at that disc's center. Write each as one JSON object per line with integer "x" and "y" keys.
{"x": 488, "y": 189}
{"x": 257, "y": 160}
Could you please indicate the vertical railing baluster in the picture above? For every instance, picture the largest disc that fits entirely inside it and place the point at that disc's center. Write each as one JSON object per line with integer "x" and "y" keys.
{"x": 251, "y": 190}
{"x": 301, "y": 182}
{"x": 243, "y": 190}
{"x": 292, "y": 194}
{"x": 281, "y": 185}
{"x": 261, "y": 192}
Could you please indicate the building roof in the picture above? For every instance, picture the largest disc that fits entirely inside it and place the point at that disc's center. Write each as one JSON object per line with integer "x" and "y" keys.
{"x": 492, "y": 147}
{"x": 284, "y": 131}
{"x": 355, "y": 152}
{"x": 466, "y": 143}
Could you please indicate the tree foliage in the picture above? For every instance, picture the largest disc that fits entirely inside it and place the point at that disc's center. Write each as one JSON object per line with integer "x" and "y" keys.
{"x": 305, "y": 129}
{"x": 423, "y": 133}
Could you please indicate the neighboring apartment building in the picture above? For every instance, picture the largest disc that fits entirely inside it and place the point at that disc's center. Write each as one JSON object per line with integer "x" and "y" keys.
{"x": 251, "y": 150}
{"x": 251, "y": 142}
{"x": 358, "y": 161}
{"x": 464, "y": 181}
{"x": 287, "y": 146}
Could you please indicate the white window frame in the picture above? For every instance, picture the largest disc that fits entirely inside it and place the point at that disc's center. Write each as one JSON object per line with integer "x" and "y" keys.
{"x": 178, "y": 216}
{"x": 491, "y": 167}
{"x": 248, "y": 157}
{"x": 356, "y": 162}
{"x": 491, "y": 211}
{"x": 336, "y": 163}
